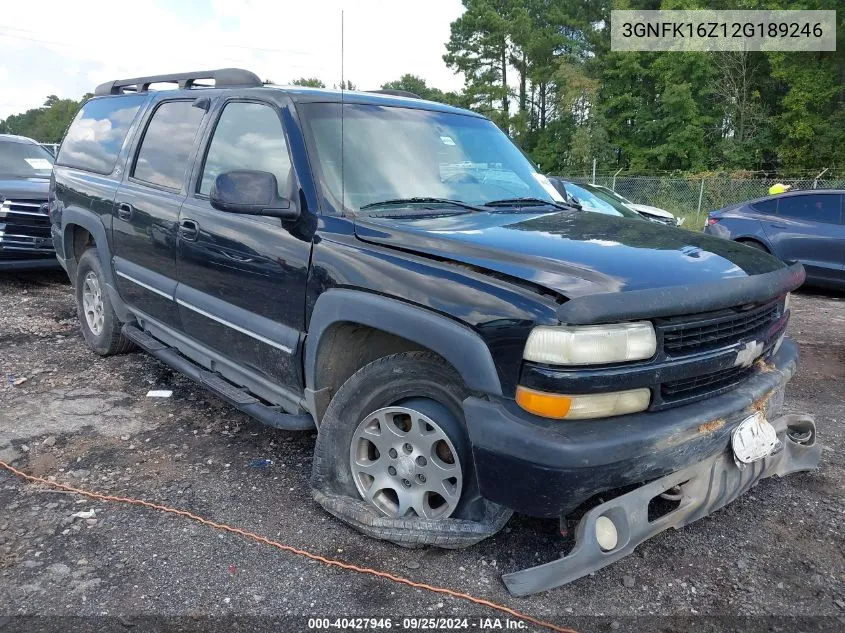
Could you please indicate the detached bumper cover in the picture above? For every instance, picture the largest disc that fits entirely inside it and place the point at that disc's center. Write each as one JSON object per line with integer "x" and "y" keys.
{"x": 705, "y": 487}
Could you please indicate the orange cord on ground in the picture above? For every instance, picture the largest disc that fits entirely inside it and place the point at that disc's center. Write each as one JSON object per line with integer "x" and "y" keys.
{"x": 287, "y": 548}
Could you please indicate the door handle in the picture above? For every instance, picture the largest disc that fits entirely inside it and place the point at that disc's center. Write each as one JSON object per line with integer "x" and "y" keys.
{"x": 777, "y": 226}
{"x": 124, "y": 210}
{"x": 189, "y": 230}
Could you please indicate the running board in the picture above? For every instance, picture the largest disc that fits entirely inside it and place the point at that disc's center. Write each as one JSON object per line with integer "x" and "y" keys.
{"x": 234, "y": 395}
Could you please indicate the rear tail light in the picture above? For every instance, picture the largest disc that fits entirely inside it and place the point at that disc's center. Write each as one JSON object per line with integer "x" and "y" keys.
{"x": 711, "y": 221}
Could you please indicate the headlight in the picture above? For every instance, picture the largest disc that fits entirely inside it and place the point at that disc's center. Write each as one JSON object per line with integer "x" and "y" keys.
{"x": 590, "y": 344}
{"x": 581, "y": 407}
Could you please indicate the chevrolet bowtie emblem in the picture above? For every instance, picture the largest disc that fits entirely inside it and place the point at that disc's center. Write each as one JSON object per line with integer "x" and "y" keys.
{"x": 748, "y": 353}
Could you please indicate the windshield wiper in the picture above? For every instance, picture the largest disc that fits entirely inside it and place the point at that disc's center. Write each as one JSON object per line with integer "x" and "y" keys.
{"x": 423, "y": 200}
{"x": 528, "y": 202}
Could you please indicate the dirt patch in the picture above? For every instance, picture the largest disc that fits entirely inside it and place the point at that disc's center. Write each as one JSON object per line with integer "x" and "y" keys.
{"x": 87, "y": 421}
{"x": 710, "y": 427}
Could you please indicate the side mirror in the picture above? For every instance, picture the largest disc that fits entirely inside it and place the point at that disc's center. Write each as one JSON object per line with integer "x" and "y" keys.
{"x": 250, "y": 193}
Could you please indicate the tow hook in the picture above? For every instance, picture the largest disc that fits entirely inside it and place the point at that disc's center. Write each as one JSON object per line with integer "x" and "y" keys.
{"x": 801, "y": 430}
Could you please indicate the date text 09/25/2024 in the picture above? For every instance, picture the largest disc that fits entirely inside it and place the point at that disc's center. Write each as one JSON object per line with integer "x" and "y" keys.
{"x": 417, "y": 624}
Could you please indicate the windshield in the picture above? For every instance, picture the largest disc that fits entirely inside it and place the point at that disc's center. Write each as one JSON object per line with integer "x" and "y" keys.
{"x": 595, "y": 201}
{"x": 393, "y": 154}
{"x": 24, "y": 160}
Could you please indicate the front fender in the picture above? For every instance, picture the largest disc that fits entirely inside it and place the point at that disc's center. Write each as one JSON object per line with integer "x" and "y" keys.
{"x": 457, "y": 343}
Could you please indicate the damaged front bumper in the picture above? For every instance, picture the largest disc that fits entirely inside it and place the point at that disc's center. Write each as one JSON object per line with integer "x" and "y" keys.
{"x": 700, "y": 489}
{"x": 549, "y": 468}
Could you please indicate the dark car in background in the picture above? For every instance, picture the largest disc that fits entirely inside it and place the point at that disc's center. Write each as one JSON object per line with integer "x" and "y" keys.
{"x": 649, "y": 212}
{"x": 25, "y": 169}
{"x": 604, "y": 200}
{"x": 803, "y": 226}
{"x": 588, "y": 199}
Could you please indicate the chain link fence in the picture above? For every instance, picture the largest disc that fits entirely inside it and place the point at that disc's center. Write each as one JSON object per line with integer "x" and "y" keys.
{"x": 692, "y": 198}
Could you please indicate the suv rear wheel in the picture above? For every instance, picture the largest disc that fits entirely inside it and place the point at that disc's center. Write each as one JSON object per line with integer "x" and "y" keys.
{"x": 100, "y": 326}
{"x": 393, "y": 458}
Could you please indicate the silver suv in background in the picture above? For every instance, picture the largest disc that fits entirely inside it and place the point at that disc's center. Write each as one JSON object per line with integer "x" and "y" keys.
{"x": 25, "y": 168}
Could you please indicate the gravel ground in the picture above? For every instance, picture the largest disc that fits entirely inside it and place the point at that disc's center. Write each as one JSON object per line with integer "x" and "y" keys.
{"x": 778, "y": 551}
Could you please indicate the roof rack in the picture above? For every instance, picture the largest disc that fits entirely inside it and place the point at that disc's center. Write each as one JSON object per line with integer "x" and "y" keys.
{"x": 223, "y": 78}
{"x": 396, "y": 93}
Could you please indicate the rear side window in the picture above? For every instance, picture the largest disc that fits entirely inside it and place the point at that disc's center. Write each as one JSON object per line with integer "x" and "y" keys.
{"x": 168, "y": 143}
{"x": 819, "y": 207}
{"x": 769, "y": 207}
{"x": 95, "y": 137}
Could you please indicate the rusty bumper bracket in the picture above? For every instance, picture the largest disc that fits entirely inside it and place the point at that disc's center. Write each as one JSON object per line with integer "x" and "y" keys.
{"x": 705, "y": 487}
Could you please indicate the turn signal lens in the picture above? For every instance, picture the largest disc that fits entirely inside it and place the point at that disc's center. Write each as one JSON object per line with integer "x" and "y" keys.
{"x": 590, "y": 344}
{"x": 547, "y": 405}
{"x": 582, "y": 407}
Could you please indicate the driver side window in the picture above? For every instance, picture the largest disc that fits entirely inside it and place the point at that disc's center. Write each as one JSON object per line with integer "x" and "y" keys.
{"x": 247, "y": 136}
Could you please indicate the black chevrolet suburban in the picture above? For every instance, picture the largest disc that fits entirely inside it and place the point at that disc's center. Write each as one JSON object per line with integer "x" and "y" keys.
{"x": 395, "y": 274}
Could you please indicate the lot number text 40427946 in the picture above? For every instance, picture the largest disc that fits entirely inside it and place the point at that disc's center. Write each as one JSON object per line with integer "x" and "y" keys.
{"x": 426, "y": 623}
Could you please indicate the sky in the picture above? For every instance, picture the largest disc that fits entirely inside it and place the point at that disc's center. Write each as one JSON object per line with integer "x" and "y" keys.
{"x": 66, "y": 47}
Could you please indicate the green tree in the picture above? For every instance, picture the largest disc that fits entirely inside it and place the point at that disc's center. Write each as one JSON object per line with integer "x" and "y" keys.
{"x": 810, "y": 124}
{"x": 308, "y": 82}
{"x": 479, "y": 47}
{"x": 418, "y": 86}
{"x": 46, "y": 124}
{"x": 415, "y": 84}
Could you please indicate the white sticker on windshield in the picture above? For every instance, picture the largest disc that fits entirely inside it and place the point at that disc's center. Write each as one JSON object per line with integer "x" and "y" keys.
{"x": 39, "y": 163}
{"x": 549, "y": 187}
{"x": 447, "y": 140}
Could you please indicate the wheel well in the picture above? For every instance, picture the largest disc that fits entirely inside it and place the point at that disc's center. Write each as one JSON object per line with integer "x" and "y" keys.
{"x": 345, "y": 348}
{"x": 80, "y": 240}
{"x": 748, "y": 241}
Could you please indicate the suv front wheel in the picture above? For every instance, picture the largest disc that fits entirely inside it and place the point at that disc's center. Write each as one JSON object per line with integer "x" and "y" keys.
{"x": 100, "y": 326}
{"x": 393, "y": 458}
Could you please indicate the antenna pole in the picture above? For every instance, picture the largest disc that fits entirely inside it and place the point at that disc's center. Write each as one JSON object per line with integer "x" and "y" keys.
{"x": 342, "y": 108}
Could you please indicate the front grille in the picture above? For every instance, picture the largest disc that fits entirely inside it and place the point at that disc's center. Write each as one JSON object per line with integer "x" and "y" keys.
{"x": 24, "y": 228}
{"x": 705, "y": 384}
{"x": 705, "y": 333}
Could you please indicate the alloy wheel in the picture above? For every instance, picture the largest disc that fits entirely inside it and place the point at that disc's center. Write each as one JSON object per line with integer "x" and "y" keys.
{"x": 405, "y": 465}
{"x": 92, "y": 303}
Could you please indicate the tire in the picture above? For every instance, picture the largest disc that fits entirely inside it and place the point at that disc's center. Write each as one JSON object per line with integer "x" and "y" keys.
{"x": 423, "y": 384}
{"x": 100, "y": 326}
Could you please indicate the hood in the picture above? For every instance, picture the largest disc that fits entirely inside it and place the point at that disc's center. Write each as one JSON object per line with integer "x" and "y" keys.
{"x": 645, "y": 208}
{"x": 24, "y": 188}
{"x": 570, "y": 252}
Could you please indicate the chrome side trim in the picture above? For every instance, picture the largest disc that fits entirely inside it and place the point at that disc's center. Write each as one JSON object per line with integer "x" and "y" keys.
{"x": 238, "y": 328}
{"x": 143, "y": 285}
